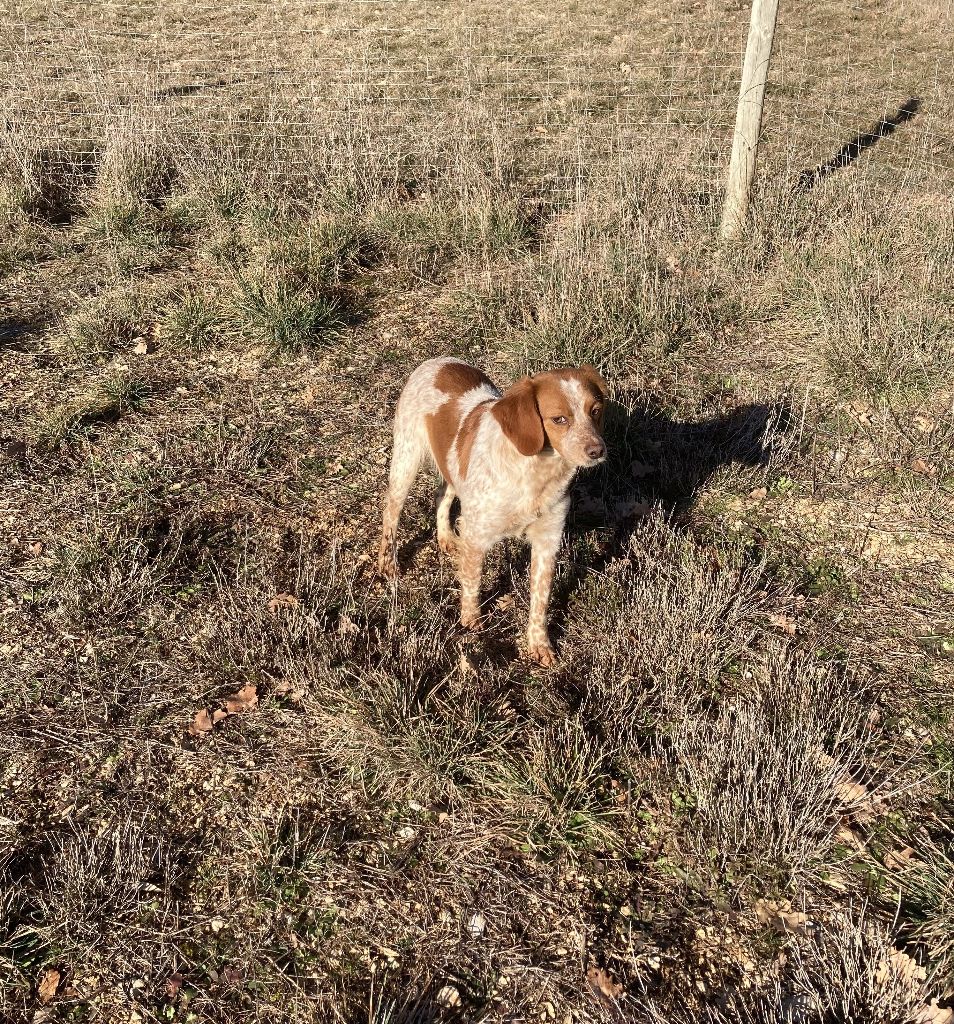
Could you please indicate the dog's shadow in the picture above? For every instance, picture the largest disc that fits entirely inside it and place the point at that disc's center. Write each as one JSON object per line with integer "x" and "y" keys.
{"x": 655, "y": 464}
{"x": 657, "y": 459}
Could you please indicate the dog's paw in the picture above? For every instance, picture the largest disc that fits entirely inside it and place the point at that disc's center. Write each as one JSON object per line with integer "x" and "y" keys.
{"x": 543, "y": 655}
{"x": 471, "y": 620}
{"x": 387, "y": 561}
{"x": 448, "y": 545}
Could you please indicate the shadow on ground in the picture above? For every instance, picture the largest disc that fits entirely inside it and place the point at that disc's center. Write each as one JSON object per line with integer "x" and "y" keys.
{"x": 656, "y": 460}
{"x": 859, "y": 143}
{"x": 15, "y": 331}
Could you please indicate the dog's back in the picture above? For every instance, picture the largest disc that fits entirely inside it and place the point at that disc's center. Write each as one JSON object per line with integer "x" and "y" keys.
{"x": 437, "y": 416}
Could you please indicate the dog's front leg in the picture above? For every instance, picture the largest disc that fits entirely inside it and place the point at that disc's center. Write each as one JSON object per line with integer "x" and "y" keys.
{"x": 473, "y": 545}
{"x": 545, "y": 536}
{"x": 471, "y": 568}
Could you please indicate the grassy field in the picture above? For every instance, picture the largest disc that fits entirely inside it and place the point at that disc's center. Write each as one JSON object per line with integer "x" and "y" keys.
{"x": 242, "y": 778}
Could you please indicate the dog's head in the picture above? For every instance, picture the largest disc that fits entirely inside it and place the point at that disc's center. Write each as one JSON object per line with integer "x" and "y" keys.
{"x": 562, "y": 409}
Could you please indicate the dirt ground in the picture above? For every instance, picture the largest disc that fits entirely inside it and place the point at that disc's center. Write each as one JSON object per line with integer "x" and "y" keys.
{"x": 243, "y": 778}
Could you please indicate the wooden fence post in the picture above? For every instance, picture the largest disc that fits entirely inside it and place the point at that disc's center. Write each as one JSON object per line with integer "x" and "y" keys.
{"x": 748, "y": 116}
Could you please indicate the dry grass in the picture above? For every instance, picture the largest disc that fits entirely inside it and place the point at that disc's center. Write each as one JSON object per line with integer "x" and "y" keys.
{"x": 732, "y": 800}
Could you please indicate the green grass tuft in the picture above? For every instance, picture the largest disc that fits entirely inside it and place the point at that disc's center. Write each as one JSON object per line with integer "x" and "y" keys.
{"x": 286, "y": 316}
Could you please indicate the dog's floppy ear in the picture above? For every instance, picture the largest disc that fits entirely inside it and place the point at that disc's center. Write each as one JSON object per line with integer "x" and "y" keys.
{"x": 592, "y": 376}
{"x": 517, "y": 413}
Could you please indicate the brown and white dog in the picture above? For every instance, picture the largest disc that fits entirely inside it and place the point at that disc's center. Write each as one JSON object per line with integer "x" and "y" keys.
{"x": 509, "y": 458}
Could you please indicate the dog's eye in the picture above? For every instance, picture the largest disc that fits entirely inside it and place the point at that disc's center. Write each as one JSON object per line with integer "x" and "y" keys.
{"x": 561, "y": 420}
{"x": 596, "y": 411}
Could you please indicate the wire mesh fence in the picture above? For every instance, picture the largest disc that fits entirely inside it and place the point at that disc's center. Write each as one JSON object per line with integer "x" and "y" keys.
{"x": 308, "y": 84}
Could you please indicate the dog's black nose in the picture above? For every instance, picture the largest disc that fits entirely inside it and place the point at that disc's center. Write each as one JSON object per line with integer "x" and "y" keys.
{"x": 596, "y": 450}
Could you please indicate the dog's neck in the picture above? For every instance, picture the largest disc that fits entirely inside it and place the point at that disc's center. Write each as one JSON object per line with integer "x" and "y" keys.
{"x": 549, "y": 476}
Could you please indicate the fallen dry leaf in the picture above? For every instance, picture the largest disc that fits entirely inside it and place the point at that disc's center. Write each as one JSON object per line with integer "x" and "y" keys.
{"x": 201, "y": 724}
{"x": 449, "y": 996}
{"x": 896, "y": 860}
{"x": 36, "y": 548}
{"x": 283, "y": 688}
{"x": 244, "y": 699}
{"x": 759, "y": 493}
{"x": 346, "y": 625}
{"x": 173, "y": 984}
{"x": 862, "y": 410}
{"x": 899, "y": 965}
{"x": 238, "y": 702}
{"x": 845, "y": 835}
{"x": 620, "y": 792}
{"x": 781, "y": 917}
{"x": 233, "y": 977}
{"x": 477, "y": 925}
{"x": 144, "y": 347}
{"x": 784, "y": 622}
{"x": 934, "y": 1014}
{"x": 849, "y": 792}
{"x": 282, "y": 601}
{"x": 49, "y": 983}
{"x": 923, "y": 467}
{"x": 603, "y": 985}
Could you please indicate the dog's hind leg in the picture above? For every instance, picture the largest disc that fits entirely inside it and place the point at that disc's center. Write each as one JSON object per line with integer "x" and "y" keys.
{"x": 446, "y": 538}
{"x": 405, "y": 462}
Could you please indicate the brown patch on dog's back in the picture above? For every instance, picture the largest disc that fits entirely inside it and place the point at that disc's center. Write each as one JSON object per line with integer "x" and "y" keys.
{"x": 442, "y": 428}
{"x": 458, "y": 378}
{"x": 466, "y": 435}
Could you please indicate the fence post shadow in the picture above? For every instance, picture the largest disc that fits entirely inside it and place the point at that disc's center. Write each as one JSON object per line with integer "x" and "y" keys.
{"x": 859, "y": 143}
